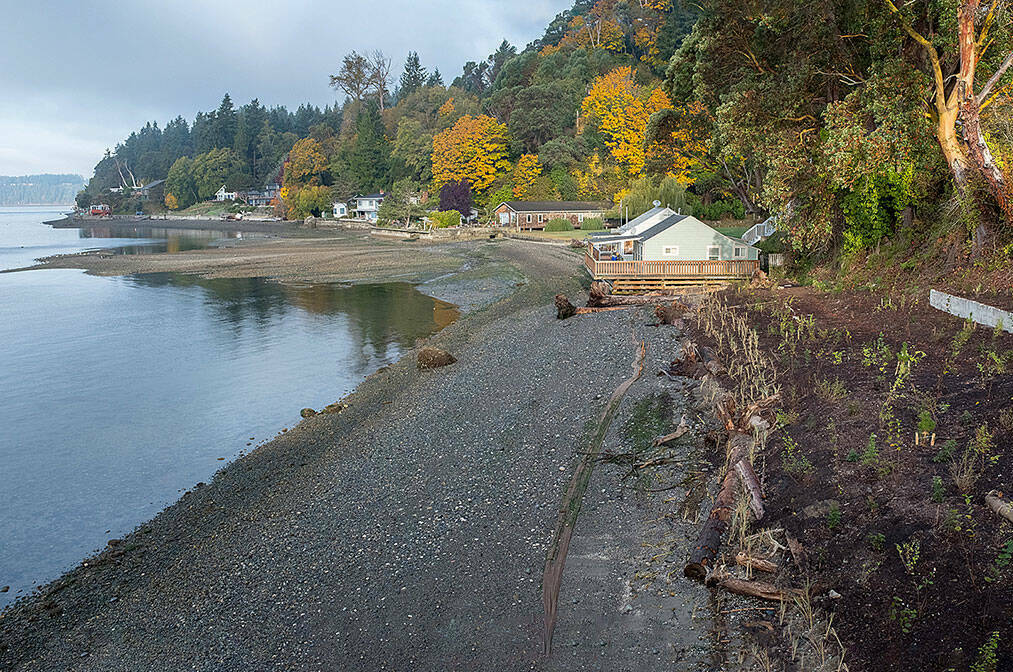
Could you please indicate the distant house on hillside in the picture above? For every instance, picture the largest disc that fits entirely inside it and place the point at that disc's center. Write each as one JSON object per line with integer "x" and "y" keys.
{"x": 366, "y": 207}
{"x": 535, "y": 214}
{"x": 339, "y": 210}
{"x": 151, "y": 190}
{"x": 223, "y": 194}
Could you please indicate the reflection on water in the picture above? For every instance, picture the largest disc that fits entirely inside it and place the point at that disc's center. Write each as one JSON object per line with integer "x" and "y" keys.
{"x": 162, "y": 240}
{"x": 117, "y": 393}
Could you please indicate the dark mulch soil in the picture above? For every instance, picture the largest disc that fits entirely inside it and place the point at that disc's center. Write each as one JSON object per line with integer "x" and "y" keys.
{"x": 855, "y": 509}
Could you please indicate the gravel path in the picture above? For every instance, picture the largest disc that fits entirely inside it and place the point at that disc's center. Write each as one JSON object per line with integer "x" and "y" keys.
{"x": 410, "y": 531}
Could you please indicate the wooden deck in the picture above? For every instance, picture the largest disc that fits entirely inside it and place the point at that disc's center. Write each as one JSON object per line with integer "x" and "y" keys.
{"x": 646, "y": 275}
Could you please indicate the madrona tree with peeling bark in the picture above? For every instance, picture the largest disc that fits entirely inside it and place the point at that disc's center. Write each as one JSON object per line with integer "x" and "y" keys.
{"x": 967, "y": 48}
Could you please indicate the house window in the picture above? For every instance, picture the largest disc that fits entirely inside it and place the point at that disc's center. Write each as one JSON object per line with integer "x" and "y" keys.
{"x": 540, "y": 218}
{"x": 529, "y": 219}
{"x": 580, "y": 218}
{"x": 713, "y": 252}
{"x": 740, "y": 252}
{"x": 671, "y": 251}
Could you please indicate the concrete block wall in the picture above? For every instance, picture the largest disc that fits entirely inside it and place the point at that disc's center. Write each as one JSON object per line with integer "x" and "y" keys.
{"x": 990, "y": 316}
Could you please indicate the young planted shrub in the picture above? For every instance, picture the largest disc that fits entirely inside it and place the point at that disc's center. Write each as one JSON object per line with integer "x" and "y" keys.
{"x": 558, "y": 224}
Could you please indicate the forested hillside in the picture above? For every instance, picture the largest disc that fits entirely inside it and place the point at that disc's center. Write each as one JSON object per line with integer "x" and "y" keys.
{"x": 856, "y": 123}
{"x": 39, "y": 189}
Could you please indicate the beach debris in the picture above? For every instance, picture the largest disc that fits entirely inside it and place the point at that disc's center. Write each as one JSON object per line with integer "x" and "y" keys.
{"x": 760, "y": 280}
{"x": 672, "y": 313}
{"x": 434, "y": 358}
{"x": 564, "y": 309}
{"x": 336, "y": 407}
{"x": 307, "y": 412}
{"x": 4, "y": 589}
{"x": 999, "y": 505}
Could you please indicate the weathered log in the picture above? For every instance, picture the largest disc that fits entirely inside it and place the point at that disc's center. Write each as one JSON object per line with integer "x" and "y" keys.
{"x": 631, "y": 300}
{"x": 564, "y": 309}
{"x": 760, "y": 589}
{"x": 999, "y": 505}
{"x": 708, "y": 543}
{"x": 752, "y": 562}
{"x": 751, "y": 484}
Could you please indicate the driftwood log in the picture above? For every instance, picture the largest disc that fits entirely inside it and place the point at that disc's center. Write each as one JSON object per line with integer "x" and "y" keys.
{"x": 760, "y": 589}
{"x": 999, "y": 505}
{"x": 752, "y": 562}
{"x": 708, "y": 544}
{"x": 600, "y": 296}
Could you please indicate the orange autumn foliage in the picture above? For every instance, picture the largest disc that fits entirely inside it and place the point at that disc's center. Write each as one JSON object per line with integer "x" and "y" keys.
{"x": 473, "y": 149}
{"x": 621, "y": 109}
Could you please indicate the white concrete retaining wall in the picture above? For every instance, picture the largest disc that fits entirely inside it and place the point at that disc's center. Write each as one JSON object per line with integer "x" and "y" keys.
{"x": 989, "y": 316}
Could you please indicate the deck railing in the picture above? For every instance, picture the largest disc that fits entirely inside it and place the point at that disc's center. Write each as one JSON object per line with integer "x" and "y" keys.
{"x": 669, "y": 269}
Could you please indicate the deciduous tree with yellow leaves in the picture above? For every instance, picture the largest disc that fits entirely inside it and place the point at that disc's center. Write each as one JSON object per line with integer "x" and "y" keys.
{"x": 620, "y": 109}
{"x": 473, "y": 149}
{"x": 526, "y": 172}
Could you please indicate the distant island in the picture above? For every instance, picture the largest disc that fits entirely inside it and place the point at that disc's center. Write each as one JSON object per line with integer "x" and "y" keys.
{"x": 39, "y": 189}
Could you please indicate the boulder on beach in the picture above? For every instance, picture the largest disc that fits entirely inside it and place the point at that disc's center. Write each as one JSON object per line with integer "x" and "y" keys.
{"x": 434, "y": 358}
{"x": 307, "y": 412}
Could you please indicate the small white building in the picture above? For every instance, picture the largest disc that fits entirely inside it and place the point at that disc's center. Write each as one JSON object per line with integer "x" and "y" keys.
{"x": 366, "y": 207}
{"x": 339, "y": 210}
{"x": 223, "y": 194}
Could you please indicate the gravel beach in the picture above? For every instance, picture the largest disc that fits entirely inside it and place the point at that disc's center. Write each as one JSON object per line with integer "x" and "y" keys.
{"x": 409, "y": 531}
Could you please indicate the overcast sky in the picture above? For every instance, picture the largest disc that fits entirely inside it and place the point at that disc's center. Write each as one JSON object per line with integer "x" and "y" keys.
{"x": 78, "y": 76}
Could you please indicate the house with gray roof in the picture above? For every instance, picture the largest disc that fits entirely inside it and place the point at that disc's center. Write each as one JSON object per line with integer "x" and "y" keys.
{"x": 666, "y": 246}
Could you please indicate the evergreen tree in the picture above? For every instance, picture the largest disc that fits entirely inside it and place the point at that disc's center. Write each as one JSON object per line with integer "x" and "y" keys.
{"x": 369, "y": 157}
{"x": 414, "y": 75}
{"x": 435, "y": 79}
{"x": 225, "y": 123}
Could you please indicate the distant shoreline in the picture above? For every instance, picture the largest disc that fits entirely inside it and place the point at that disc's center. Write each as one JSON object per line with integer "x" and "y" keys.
{"x": 251, "y": 225}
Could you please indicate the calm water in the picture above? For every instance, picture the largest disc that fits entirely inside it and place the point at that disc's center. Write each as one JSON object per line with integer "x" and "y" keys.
{"x": 118, "y": 393}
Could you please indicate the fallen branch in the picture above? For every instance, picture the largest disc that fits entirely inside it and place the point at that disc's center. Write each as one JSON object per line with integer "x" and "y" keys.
{"x": 1001, "y": 507}
{"x": 759, "y": 564}
{"x": 760, "y": 589}
{"x": 683, "y": 428}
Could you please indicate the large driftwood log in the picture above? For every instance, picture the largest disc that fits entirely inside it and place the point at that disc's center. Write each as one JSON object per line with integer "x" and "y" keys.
{"x": 705, "y": 551}
{"x": 999, "y": 505}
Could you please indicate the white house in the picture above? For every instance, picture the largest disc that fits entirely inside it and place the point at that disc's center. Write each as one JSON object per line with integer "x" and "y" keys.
{"x": 224, "y": 194}
{"x": 340, "y": 210}
{"x": 366, "y": 207}
{"x": 669, "y": 237}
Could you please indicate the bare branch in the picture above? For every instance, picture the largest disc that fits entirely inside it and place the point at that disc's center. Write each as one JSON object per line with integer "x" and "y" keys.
{"x": 995, "y": 78}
